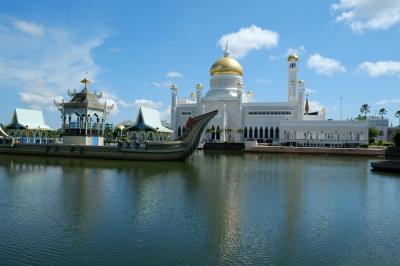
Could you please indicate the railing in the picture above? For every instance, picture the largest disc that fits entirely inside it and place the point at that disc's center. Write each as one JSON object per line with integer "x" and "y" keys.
{"x": 81, "y": 132}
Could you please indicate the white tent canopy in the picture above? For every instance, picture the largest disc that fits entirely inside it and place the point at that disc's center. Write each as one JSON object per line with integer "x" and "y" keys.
{"x": 150, "y": 118}
{"x": 28, "y": 119}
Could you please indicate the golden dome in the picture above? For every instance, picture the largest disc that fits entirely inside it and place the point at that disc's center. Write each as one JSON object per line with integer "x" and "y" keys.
{"x": 226, "y": 65}
{"x": 293, "y": 57}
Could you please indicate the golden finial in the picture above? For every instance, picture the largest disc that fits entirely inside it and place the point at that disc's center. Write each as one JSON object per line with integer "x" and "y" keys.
{"x": 85, "y": 81}
{"x": 227, "y": 52}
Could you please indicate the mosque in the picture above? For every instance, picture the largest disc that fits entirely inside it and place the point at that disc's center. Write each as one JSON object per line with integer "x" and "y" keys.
{"x": 240, "y": 119}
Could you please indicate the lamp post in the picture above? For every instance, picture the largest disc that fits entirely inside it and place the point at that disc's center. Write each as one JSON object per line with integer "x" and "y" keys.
{"x": 121, "y": 128}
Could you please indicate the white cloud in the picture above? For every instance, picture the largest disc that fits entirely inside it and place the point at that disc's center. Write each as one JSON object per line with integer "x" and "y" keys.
{"x": 29, "y": 28}
{"x": 248, "y": 39}
{"x": 324, "y": 65}
{"x": 148, "y": 103}
{"x": 45, "y": 67}
{"x": 310, "y": 91}
{"x": 112, "y": 99}
{"x": 162, "y": 84}
{"x": 386, "y": 101}
{"x": 37, "y": 96}
{"x": 156, "y": 84}
{"x": 362, "y": 15}
{"x": 115, "y": 50}
{"x": 315, "y": 106}
{"x": 174, "y": 74}
{"x": 380, "y": 68}
{"x": 166, "y": 114}
{"x": 297, "y": 50}
{"x": 263, "y": 81}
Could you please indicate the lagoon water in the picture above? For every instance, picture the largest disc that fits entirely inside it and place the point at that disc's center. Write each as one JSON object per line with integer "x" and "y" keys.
{"x": 215, "y": 208}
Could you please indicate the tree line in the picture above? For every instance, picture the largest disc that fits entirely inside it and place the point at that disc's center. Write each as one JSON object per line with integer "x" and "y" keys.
{"x": 366, "y": 109}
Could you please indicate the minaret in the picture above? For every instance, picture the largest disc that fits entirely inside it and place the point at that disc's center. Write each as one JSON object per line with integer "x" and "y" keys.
{"x": 174, "y": 99}
{"x": 292, "y": 60}
{"x": 199, "y": 88}
{"x": 300, "y": 100}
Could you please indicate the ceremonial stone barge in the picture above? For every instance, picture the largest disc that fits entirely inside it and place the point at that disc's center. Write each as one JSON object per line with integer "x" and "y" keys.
{"x": 178, "y": 149}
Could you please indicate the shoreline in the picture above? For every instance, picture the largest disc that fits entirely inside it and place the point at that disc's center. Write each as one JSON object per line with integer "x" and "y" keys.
{"x": 317, "y": 150}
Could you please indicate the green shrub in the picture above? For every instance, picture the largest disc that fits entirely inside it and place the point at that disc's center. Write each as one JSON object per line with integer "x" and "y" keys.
{"x": 372, "y": 132}
{"x": 364, "y": 146}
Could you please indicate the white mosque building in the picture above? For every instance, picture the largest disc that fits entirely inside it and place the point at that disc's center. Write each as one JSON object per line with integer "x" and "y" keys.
{"x": 240, "y": 119}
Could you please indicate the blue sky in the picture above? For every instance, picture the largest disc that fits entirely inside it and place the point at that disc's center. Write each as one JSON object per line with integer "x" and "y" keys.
{"x": 133, "y": 50}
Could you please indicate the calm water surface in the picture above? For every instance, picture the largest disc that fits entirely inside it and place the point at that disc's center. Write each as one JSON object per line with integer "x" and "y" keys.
{"x": 212, "y": 209}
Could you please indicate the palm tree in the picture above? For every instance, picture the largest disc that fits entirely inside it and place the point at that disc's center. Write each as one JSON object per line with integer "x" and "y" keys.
{"x": 382, "y": 112}
{"x": 397, "y": 114}
{"x": 365, "y": 109}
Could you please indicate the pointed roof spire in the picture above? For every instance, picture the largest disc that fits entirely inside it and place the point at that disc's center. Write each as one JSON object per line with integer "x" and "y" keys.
{"x": 306, "y": 108}
{"x": 227, "y": 52}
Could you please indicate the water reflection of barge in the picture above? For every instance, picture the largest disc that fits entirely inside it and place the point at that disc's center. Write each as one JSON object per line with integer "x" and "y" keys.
{"x": 179, "y": 149}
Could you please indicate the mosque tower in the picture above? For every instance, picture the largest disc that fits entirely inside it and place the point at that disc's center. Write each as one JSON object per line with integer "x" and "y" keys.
{"x": 300, "y": 99}
{"x": 292, "y": 59}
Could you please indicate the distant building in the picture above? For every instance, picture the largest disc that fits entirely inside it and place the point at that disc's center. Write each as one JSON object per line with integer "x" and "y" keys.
{"x": 324, "y": 133}
{"x": 148, "y": 127}
{"x": 381, "y": 124}
{"x": 392, "y": 131}
{"x": 28, "y": 126}
{"x": 83, "y": 117}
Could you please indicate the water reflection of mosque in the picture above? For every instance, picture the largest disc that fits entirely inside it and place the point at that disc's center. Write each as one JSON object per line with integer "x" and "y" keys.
{"x": 216, "y": 185}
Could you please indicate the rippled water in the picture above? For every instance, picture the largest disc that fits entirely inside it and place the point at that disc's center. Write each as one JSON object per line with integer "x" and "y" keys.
{"x": 212, "y": 209}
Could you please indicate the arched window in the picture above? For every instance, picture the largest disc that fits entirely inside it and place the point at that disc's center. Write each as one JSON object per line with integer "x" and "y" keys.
{"x": 245, "y": 133}
{"x": 218, "y": 133}
{"x": 261, "y": 133}
{"x": 183, "y": 130}
{"x": 271, "y": 133}
{"x": 255, "y": 132}
{"x": 277, "y": 133}
{"x": 251, "y": 132}
{"x": 266, "y": 132}
{"x": 179, "y": 131}
{"x": 213, "y": 133}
